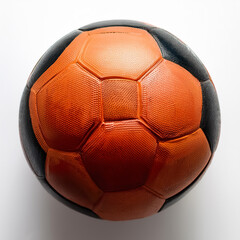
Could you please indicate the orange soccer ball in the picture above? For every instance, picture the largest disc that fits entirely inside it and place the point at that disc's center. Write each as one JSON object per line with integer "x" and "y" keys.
{"x": 118, "y": 119}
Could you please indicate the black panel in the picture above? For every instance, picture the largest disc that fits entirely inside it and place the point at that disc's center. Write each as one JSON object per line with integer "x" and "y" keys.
{"x": 33, "y": 152}
{"x": 170, "y": 201}
{"x": 119, "y": 22}
{"x": 50, "y": 56}
{"x": 65, "y": 201}
{"x": 176, "y": 51}
{"x": 210, "y": 122}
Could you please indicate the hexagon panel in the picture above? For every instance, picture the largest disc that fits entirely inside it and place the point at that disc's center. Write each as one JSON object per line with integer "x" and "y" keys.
{"x": 68, "y": 106}
{"x": 171, "y": 100}
{"x": 123, "y": 52}
{"x": 119, "y": 155}
{"x": 178, "y": 162}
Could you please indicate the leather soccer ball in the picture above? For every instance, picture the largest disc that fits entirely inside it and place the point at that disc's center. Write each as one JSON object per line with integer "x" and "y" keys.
{"x": 118, "y": 119}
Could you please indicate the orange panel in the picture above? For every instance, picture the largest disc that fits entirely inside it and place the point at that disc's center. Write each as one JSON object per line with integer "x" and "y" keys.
{"x": 126, "y": 205}
{"x": 66, "y": 108}
{"x": 120, "y": 99}
{"x": 67, "y": 175}
{"x": 119, "y": 155}
{"x": 171, "y": 100}
{"x": 119, "y": 52}
{"x": 178, "y": 162}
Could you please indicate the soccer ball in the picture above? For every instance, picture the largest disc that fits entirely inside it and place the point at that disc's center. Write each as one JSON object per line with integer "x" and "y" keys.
{"x": 118, "y": 119}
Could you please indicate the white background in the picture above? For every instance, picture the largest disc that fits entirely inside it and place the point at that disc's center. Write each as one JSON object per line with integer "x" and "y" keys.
{"x": 211, "y": 210}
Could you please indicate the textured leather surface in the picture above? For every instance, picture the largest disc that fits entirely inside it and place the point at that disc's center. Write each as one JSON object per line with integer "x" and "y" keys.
{"x": 211, "y": 120}
{"x": 177, "y": 163}
{"x": 120, "y": 99}
{"x": 71, "y": 87}
{"x": 119, "y": 155}
{"x": 107, "y": 50}
{"x": 171, "y": 100}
